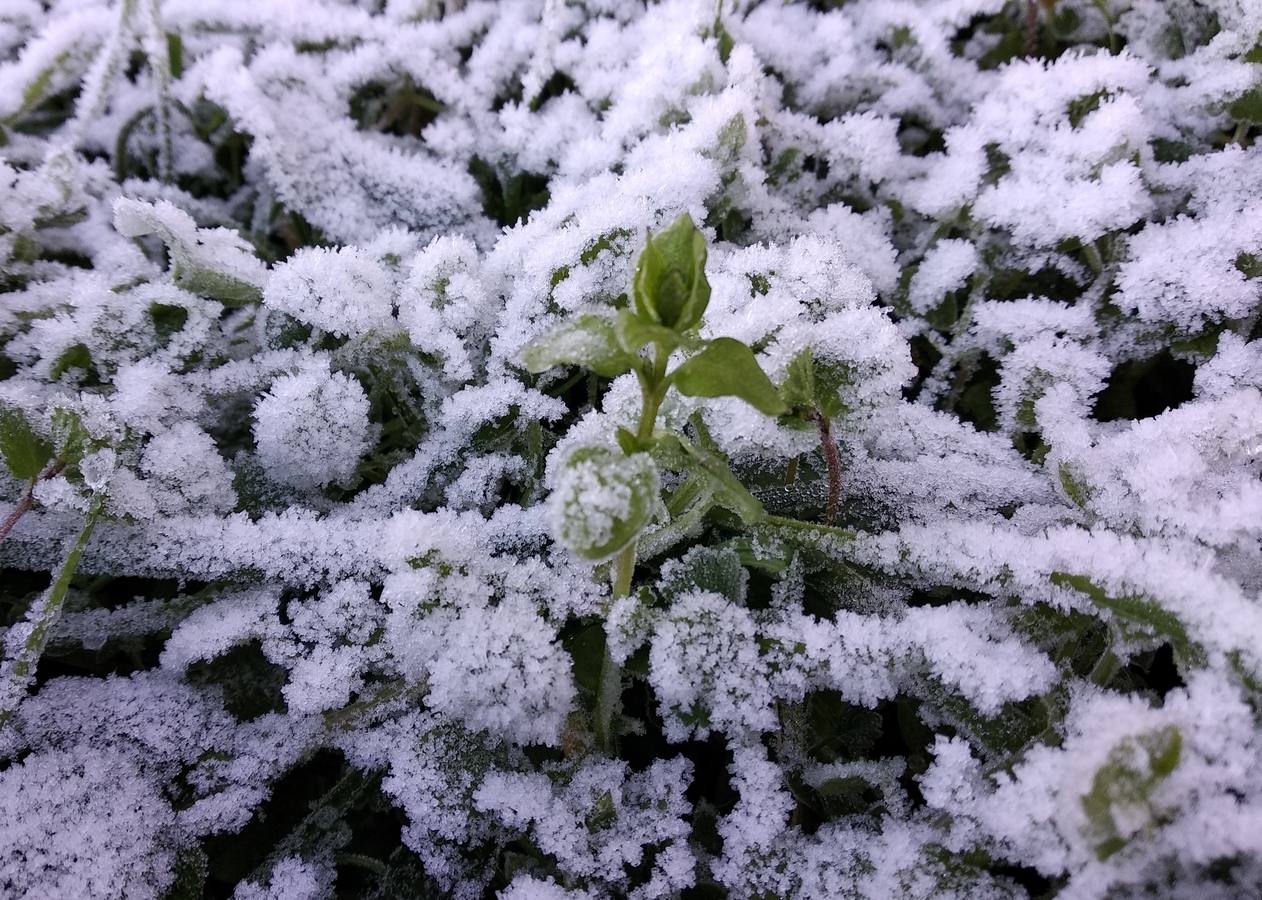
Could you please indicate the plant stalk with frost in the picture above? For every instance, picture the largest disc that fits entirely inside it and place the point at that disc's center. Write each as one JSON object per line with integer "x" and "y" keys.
{"x": 670, "y": 293}
{"x": 31, "y": 458}
{"x": 24, "y": 644}
{"x": 281, "y": 260}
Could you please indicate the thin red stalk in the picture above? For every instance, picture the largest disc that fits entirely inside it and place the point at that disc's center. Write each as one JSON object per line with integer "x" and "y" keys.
{"x": 1031, "y": 27}
{"x": 12, "y": 518}
{"x": 833, "y": 459}
{"x": 27, "y": 501}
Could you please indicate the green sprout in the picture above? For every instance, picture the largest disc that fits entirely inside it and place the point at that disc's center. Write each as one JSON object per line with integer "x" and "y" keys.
{"x": 670, "y": 293}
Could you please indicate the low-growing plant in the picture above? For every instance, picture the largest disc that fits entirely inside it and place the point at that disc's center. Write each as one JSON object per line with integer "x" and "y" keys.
{"x": 626, "y": 451}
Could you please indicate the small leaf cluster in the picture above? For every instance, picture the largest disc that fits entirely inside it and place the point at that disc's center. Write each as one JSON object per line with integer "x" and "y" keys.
{"x": 670, "y": 293}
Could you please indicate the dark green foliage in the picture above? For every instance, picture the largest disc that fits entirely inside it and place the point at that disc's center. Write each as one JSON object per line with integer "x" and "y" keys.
{"x": 1144, "y": 388}
{"x": 508, "y": 198}
{"x": 251, "y": 684}
{"x": 25, "y": 453}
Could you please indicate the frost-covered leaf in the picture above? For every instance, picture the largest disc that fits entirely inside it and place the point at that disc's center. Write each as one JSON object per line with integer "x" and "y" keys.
{"x": 587, "y": 341}
{"x": 670, "y": 285}
{"x": 212, "y": 262}
{"x": 603, "y": 500}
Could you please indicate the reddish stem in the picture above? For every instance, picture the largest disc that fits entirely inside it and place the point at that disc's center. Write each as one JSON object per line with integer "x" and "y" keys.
{"x": 833, "y": 459}
{"x": 1031, "y": 27}
{"x": 12, "y": 518}
{"x": 28, "y": 499}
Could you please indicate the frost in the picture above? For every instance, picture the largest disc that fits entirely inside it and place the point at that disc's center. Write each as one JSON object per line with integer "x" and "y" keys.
{"x": 85, "y": 825}
{"x": 706, "y": 669}
{"x": 342, "y": 291}
{"x": 336, "y": 561}
{"x": 190, "y": 473}
{"x": 214, "y": 261}
{"x": 601, "y": 502}
{"x": 600, "y": 819}
{"x": 945, "y": 268}
{"x": 500, "y": 670}
{"x": 290, "y": 879}
{"x": 312, "y": 428}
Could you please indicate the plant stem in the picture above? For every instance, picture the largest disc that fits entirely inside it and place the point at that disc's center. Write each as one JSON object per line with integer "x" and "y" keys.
{"x": 609, "y": 691}
{"x": 1031, "y": 27}
{"x": 28, "y": 500}
{"x": 23, "y": 505}
{"x": 362, "y": 861}
{"x": 1109, "y": 22}
{"x": 653, "y": 386}
{"x": 834, "y": 466}
{"x": 1093, "y": 257}
{"x": 160, "y": 68}
{"x": 21, "y": 661}
{"x": 791, "y": 471}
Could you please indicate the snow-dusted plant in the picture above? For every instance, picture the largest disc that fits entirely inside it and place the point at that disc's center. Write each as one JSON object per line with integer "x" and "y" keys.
{"x": 596, "y": 449}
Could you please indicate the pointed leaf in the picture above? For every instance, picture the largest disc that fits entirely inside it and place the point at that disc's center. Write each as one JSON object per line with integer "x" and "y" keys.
{"x": 25, "y": 452}
{"x": 728, "y": 490}
{"x": 634, "y": 333}
{"x": 588, "y": 341}
{"x": 716, "y": 569}
{"x": 727, "y": 368}
{"x": 798, "y": 389}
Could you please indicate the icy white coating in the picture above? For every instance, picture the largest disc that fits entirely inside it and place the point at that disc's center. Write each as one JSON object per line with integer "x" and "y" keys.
{"x": 311, "y": 428}
{"x": 267, "y": 270}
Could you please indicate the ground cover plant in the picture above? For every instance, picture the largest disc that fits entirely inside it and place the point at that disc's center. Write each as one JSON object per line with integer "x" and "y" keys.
{"x": 595, "y": 449}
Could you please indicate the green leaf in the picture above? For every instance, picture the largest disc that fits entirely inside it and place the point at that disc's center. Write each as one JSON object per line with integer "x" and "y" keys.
{"x": 1081, "y": 107}
{"x": 1140, "y": 611}
{"x": 629, "y": 442}
{"x": 603, "y": 500}
{"x": 633, "y": 333}
{"x": 175, "y": 53}
{"x": 602, "y": 815}
{"x": 610, "y": 241}
{"x": 1249, "y": 265}
{"x": 813, "y": 387}
{"x": 76, "y": 356}
{"x": 1248, "y": 107}
{"x": 798, "y": 389}
{"x": 725, "y": 41}
{"x": 727, "y": 368}
{"x": 586, "y": 648}
{"x": 731, "y": 138}
{"x": 670, "y": 286}
{"x": 207, "y": 283}
{"x": 588, "y": 341}
{"x": 211, "y": 262}
{"x": 729, "y": 492}
{"x": 1131, "y": 774}
{"x": 191, "y": 871}
{"x": 670, "y": 452}
{"x": 1075, "y": 490}
{"x": 168, "y": 320}
{"x": 508, "y": 198}
{"x": 25, "y": 452}
{"x": 716, "y": 569}
{"x": 70, "y": 438}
